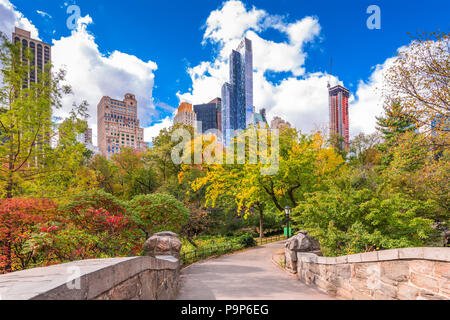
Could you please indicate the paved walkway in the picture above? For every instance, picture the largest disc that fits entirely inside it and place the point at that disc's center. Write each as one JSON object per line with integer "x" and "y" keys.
{"x": 248, "y": 275}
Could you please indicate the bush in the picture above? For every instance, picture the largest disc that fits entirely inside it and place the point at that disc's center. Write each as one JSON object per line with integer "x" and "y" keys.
{"x": 246, "y": 240}
{"x": 158, "y": 212}
{"x": 92, "y": 224}
{"x": 20, "y": 220}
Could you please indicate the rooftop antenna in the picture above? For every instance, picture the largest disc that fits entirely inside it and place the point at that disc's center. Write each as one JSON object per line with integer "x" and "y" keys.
{"x": 329, "y": 75}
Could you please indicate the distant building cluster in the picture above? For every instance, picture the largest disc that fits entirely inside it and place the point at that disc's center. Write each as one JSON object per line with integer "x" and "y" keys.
{"x": 235, "y": 110}
{"x": 278, "y": 123}
{"x": 118, "y": 126}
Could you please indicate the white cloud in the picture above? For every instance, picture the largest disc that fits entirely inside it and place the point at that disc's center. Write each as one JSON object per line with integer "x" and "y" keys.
{"x": 43, "y": 14}
{"x": 153, "y": 131}
{"x": 91, "y": 73}
{"x": 10, "y": 18}
{"x": 368, "y": 103}
{"x": 301, "y": 98}
{"x": 231, "y": 21}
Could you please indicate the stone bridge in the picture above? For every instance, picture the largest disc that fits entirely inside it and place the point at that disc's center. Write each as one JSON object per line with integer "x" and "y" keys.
{"x": 253, "y": 274}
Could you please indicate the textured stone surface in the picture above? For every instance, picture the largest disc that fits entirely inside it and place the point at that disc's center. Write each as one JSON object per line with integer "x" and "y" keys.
{"x": 301, "y": 242}
{"x": 163, "y": 244}
{"x": 404, "y": 274}
{"x": 135, "y": 278}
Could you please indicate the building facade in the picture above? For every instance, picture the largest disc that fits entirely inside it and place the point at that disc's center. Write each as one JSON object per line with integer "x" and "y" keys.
{"x": 278, "y": 123}
{"x": 209, "y": 115}
{"x": 119, "y": 127}
{"x": 185, "y": 115}
{"x": 237, "y": 95}
{"x": 339, "y": 116}
{"x": 259, "y": 119}
{"x": 42, "y": 53}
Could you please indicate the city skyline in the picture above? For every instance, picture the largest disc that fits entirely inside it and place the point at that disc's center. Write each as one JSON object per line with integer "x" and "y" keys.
{"x": 290, "y": 71}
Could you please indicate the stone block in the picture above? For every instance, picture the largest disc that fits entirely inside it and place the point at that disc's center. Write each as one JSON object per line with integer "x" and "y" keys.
{"x": 357, "y": 295}
{"x": 427, "y": 295}
{"x": 343, "y": 293}
{"x": 326, "y": 286}
{"x": 407, "y": 292}
{"x": 369, "y": 256}
{"x": 342, "y": 259}
{"x": 422, "y": 266}
{"x": 386, "y": 255}
{"x": 379, "y": 295}
{"x": 410, "y": 253}
{"x": 396, "y": 271}
{"x": 444, "y": 288}
{"x": 437, "y": 254}
{"x": 425, "y": 282}
{"x": 354, "y": 258}
{"x": 344, "y": 271}
{"x": 442, "y": 269}
{"x": 388, "y": 290}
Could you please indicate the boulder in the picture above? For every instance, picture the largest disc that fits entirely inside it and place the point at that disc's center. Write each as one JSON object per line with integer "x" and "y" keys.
{"x": 163, "y": 244}
{"x": 301, "y": 242}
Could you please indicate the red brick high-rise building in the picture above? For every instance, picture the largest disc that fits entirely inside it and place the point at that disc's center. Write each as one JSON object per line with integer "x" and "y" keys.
{"x": 118, "y": 126}
{"x": 339, "y": 119}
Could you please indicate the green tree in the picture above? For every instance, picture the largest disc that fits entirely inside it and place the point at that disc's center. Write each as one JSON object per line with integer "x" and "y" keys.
{"x": 26, "y": 123}
{"x": 158, "y": 212}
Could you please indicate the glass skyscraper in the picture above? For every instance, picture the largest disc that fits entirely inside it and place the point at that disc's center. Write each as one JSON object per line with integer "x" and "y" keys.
{"x": 237, "y": 96}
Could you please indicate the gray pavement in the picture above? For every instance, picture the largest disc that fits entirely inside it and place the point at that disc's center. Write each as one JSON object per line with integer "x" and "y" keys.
{"x": 248, "y": 275}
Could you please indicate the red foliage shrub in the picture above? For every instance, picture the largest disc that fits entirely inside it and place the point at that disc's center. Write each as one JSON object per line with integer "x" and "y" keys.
{"x": 19, "y": 220}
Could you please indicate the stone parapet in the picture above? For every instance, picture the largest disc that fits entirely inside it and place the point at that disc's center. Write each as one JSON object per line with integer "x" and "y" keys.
{"x": 398, "y": 274}
{"x": 153, "y": 277}
{"x": 138, "y": 278}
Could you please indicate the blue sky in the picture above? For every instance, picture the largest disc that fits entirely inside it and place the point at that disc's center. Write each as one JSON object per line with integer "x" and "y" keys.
{"x": 172, "y": 36}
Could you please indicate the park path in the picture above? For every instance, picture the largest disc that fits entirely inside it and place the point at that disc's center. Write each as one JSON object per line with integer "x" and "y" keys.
{"x": 247, "y": 275}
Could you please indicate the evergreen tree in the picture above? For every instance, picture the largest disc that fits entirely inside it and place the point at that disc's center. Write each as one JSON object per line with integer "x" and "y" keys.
{"x": 393, "y": 125}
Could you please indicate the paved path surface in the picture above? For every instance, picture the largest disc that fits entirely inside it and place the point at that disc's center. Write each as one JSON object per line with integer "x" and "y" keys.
{"x": 248, "y": 275}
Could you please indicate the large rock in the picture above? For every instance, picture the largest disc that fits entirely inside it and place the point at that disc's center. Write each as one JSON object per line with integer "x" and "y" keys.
{"x": 163, "y": 244}
{"x": 301, "y": 242}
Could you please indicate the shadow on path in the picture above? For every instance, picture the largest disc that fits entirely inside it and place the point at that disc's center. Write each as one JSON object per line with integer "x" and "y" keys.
{"x": 247, "y": 275}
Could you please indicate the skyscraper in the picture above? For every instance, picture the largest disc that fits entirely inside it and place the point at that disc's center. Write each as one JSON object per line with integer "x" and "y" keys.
{"x": 237, "y": 96}
{"x": 41, "y": 53}
{"x": 209, "y": 114}
{"x": 185, "y": 115}
{"x": 118, "y": 126}
{"x": 339, "y": 119}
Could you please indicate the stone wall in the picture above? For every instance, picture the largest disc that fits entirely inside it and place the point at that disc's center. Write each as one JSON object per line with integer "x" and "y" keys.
{"x": 404, "y": 274}
{"x": 153, "y": 277}
{"x": 138, "y": 278}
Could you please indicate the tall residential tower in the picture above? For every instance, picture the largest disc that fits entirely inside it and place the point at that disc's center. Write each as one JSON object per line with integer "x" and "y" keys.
{"x": 42, "y": 53}
{"x": 339, "y": 119}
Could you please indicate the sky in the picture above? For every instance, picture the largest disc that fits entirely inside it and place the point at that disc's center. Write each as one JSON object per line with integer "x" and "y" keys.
{"x": 167, "y": 52}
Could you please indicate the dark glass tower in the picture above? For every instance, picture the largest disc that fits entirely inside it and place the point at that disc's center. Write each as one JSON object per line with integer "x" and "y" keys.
{"x": 237, "y": 96}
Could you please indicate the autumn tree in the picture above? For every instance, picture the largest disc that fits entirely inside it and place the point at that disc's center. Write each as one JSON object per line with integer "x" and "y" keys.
{"x": 419, "y": 80}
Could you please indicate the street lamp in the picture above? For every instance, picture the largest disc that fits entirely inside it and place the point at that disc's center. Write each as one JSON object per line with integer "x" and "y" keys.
{"x": 287, "y": 211}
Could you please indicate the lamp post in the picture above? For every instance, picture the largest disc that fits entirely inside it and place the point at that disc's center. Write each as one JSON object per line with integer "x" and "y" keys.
{"x": 287, "y": 211}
